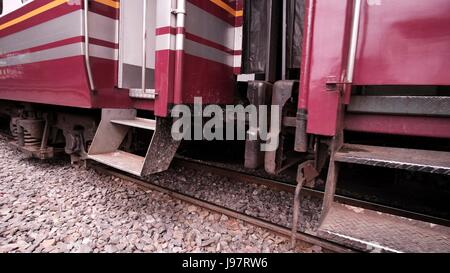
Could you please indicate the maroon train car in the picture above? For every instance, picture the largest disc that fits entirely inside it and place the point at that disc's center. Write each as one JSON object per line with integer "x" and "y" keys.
{"x": 381, "y": 69}
{"x": 106, "y": 54}
{"x": 45, "y": 58}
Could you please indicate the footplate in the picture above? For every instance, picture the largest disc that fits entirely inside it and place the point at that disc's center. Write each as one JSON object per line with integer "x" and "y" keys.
{"x": 373, "y": 231}
{"x": 114, "y": 127}
{"x": 395, "y": 158}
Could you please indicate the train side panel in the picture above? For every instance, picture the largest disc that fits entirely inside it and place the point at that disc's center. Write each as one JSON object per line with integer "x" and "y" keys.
{"x": 42, "y": 54}
{"x": 402, "y": 45}
{"x": 329, "y": 24}
{"x": 211, "y": 54}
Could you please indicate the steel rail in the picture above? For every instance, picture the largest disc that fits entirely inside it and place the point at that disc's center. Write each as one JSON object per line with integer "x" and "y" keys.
{"x": 281, "y": 186}
{"x": 280, "y": 230}
{"x": 272, "y": 184}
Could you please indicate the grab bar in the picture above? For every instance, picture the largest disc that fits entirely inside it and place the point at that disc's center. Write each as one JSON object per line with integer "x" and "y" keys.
{"x": 86, "y": 44}
{"x": 144, "y": 46}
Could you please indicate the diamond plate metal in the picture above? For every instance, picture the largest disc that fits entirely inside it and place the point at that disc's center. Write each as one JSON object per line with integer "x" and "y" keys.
{"x": 406, "y": 105}
{"x": 373, "y": 231}
{"x": 396, "y": 158}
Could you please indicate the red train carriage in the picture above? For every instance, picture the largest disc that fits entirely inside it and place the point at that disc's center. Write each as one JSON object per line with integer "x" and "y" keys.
{"x": 44, "y": 51}
{"x": 339, "y": 70}
{"x": 61, "y": 53}
{"x": 378, "y": 67}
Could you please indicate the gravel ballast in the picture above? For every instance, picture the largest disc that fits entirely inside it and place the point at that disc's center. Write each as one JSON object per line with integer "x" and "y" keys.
{"x": 53, "y": 206}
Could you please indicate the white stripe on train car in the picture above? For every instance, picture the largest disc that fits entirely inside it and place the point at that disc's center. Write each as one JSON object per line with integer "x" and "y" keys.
{"x": 209, "y": 27}
{"x": 64, "y": 51}
{"x": 206, "y": 26}
{"x": 66, "y": 26}
{"x": 199, "y": 50}
{"x": 103, "y": 52}
{"x": 58, "y": 29}
{"x": 103, "y": 28}
{"x": 165, "y": 42}
{"x": 44, "y": 55}
{"x": 238, "y": 36}
{"x": 209, "y": 53}
{"x": 237, "y": 60}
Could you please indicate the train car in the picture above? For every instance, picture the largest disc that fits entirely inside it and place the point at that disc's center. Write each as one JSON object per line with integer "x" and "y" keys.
{"x": 373, "y": 90}
{"x": 381, "y": 70}
{"x": 356, "y": 82}
{"x": 61, "y": 56}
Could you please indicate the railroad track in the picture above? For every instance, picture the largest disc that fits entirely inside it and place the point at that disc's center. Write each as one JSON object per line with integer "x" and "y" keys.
{"x": 280, "y": 230}
{"x": 283, "y": 186}
{"x": 270, "y": 183}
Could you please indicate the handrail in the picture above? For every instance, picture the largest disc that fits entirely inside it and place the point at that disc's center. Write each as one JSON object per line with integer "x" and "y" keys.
{"x": 144, "y": 46}
{"x": 180, "y": 13}
{"x": 353, "y": 42}
{"x": 86, "y": 44}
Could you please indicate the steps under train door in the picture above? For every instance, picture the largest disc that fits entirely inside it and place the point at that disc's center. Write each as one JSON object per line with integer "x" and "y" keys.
{"x": 136, "y": 73}
{"x": 375, "y": 231}
{"x": 111, "y": 133}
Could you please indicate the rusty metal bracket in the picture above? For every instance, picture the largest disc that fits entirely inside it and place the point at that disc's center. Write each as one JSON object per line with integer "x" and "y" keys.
{"x": 306, "y": 174}
{"x": 259, "y": 93}
{"x": 301, "y": 134}
{"x": 282, "y": 95}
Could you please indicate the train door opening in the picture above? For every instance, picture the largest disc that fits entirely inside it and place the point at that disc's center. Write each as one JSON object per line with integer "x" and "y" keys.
{"x": 137, "y": 43}
{"x": 270, "y": 73}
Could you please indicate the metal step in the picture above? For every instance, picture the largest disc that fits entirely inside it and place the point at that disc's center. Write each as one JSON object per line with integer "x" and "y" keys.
{"x": 401, "y": 105}
{"x": 114, "y": 128}
{"x": 395, "y": 158}
{"x": 373, "y": 231}
{"x": 122, "y": 161}
{"x": 142, "y": 123}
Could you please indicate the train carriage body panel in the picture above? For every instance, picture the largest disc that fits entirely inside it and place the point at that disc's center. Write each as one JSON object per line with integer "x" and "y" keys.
{"x": 401, "y": 49}
{"x": 42, "y": 54}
